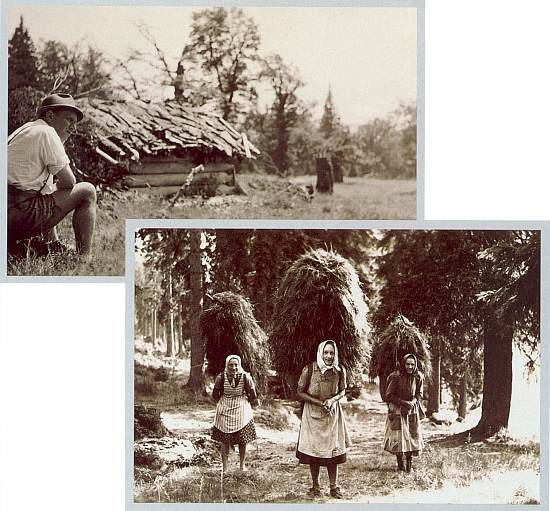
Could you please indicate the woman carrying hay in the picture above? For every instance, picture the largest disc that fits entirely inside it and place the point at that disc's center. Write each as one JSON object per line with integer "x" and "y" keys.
{"x": 235, "y": 394}
{"x": 403, "y": 393}
{"x": 323, "y": 437}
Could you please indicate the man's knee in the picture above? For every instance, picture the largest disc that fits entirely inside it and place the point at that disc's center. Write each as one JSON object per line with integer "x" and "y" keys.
{"x": 85, "y": 192}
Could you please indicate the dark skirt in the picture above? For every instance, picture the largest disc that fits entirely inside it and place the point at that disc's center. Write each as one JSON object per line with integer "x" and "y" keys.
{"x": 241, "y": 437}
{"x": 306, "y": 459}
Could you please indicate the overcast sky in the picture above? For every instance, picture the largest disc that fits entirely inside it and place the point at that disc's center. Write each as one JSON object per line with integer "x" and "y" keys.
{"x": 368, "y": 56}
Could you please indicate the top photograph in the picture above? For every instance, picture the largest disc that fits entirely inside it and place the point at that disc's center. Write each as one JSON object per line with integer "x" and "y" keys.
{"x": 202, "y": 113}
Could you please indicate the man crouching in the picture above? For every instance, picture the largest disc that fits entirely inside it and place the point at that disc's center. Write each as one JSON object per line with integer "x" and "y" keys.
{"x": 35, "y": 155}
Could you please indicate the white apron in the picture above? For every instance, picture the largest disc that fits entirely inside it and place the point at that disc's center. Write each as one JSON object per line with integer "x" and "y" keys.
{"x": 233, "y": 411}
{"x": 322, "y": 434}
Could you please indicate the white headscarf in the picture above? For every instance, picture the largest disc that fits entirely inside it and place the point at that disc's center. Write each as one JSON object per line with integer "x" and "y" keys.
{"x": 321, "y": 363}
{"x": 233, "y": 378}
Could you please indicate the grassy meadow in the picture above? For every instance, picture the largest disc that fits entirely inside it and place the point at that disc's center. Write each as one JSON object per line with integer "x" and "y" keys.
{"x": 500, "y": 470}
{"x": 360, "y": 198}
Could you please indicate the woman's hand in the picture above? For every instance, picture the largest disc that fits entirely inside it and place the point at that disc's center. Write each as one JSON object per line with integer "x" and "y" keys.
{"x": 408, "y": 405}
{"x": 327, "y": 404}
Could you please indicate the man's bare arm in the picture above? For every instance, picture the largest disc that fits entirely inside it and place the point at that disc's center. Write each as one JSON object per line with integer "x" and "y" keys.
{"x": 65, "y": 178}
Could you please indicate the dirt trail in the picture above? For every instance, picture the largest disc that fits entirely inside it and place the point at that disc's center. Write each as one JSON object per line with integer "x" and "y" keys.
{"x": 273, "y": 453}
{"x": 368, "y": 476}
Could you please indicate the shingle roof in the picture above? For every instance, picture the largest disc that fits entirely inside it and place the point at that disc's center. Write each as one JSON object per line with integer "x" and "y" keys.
{"x": 130, "y": 130}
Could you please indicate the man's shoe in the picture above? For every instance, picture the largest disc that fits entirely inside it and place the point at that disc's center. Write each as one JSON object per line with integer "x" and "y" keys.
{"x": 56, "y": 247}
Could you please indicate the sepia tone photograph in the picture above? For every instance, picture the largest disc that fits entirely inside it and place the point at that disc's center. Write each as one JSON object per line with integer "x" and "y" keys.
{"x": 406, "y": 362}
{"x": 187, "y": 112}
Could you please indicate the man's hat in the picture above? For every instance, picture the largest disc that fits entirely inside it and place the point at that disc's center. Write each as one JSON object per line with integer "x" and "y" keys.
{"x": 60, "y": 101}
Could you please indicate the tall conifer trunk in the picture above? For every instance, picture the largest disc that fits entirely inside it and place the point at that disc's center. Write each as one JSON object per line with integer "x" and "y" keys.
{"x": 497, "y": 380}
{"x": 196, "y": 374}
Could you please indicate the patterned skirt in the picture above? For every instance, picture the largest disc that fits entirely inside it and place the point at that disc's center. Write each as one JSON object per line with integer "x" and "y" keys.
{"x": 243, "y": 436}
{"x": 403, "y": 434}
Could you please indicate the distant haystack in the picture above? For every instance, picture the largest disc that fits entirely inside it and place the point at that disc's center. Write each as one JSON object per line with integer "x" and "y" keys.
{"x": 319, "y": 298}
{"x": 397, "y": 340}
{"x": 228, "y": 327}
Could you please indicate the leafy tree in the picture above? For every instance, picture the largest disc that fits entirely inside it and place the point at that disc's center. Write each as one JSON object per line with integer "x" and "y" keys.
{"x": 337, "y": 143}
{"x": 305, "y": 145}
{"x": 223, "y": 45}
{"x": 76, "y": 70}
{"x": 23, "y": 103}
{"x": 387, "y": 147}
{"x": 284, "y": 112}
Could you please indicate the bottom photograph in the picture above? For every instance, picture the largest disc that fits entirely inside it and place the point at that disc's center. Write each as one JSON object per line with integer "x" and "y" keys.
{"x": 336, "y": 365}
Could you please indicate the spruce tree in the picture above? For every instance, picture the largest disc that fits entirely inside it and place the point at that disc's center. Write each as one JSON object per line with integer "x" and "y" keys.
{"x": 23, "y": 68}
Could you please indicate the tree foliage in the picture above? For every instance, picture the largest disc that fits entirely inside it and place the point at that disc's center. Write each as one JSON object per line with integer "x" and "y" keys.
{"x": 23, "y": 60}
{"x": 283, "y": 115}
{"x": 387, "y": 147}
{"x": 463, "y": 287}
{"x": 223, "y": 45}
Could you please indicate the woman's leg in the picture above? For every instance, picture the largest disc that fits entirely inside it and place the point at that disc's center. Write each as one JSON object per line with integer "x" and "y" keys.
{"x": 242, "y": 455}
{"x": 333, "y": 475}
{"x": 333, "y": 478}
{"x": 400, "y": 464}
{"x": 314, "y": 469}
{"x": 225, "y": 455}
{"x": 408, "y": 463}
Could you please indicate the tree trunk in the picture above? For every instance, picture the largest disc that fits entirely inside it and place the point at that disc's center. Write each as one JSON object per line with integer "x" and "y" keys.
{"x": 434, "y": 385}
{"x": 337, "y": 170}
{"x": 169, "y": 338}
{"x": 181, "y": 350}
{"x": 155, "y": 333}
{"x": 497, "y": 377}
{"x": 196, "y": 374}
{"x": 281, "y": 152}
{"x": 463, "y": 398}
{"x": 324, "y": 176}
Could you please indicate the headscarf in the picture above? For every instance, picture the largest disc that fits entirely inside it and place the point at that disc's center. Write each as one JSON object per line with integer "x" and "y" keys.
{"x": 321, "y": 363}
{"x": 233, "y": 379}
{"x": 403, "y": 369}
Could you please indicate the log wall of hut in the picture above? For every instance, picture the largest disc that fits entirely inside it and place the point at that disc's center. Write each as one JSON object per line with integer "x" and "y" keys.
{"x": 166, "y": 176}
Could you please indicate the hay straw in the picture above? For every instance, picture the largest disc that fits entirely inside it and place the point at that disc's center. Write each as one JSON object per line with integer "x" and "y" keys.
{"x": 228, "y": 327}
{"x": 319, "y": 298}
{"x": 398, "y": 339}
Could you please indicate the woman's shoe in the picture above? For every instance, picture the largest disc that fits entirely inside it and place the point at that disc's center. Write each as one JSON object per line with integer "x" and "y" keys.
{"x": 314, "y": 492}
{"x": 335, "y": 493}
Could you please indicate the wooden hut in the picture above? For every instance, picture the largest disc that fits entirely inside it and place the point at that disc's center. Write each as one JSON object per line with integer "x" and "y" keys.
{"x": 160, "y": 143}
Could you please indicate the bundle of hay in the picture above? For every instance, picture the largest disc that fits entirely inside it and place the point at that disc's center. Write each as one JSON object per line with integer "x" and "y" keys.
{"x": 228, "y": 327}
{"x": 319, "y": 298}
{"x": 397, "y": 340}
